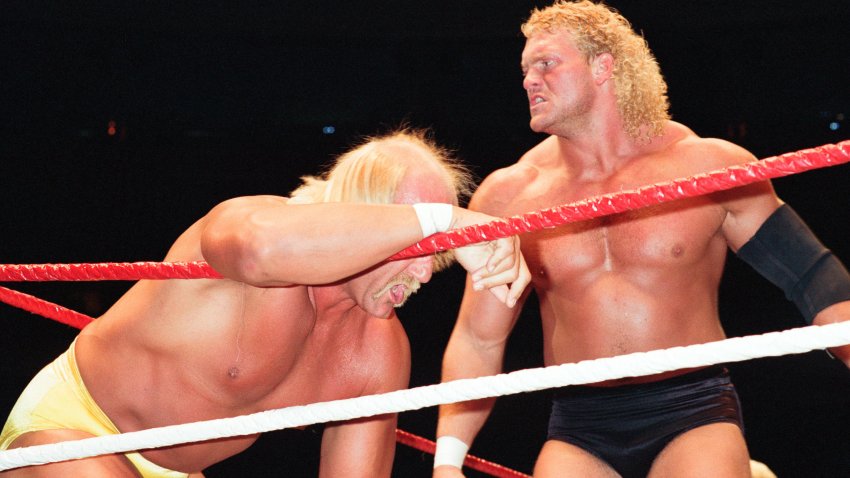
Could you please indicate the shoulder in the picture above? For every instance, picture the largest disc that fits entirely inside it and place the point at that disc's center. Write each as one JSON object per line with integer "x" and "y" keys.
{"x": 706, "y": 153}
{"x": 494, "y": 195}
{"x": 385, "y": 356}
{"x": 187, "y": 247}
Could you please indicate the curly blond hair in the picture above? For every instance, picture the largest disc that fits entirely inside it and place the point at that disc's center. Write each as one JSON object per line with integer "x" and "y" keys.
{"x": 372, "y": 172}
{"x": 597, "y": 28}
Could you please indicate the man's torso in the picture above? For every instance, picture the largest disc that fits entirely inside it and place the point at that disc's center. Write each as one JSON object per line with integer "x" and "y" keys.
{"x": 177, "y": 351}
{"x": 628, "y": 282}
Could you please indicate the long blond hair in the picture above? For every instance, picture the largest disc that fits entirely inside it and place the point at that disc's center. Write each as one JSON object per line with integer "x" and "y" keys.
{"x": 372, "y": 172}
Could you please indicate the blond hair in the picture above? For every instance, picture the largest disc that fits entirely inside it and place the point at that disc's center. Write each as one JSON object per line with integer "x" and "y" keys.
{"x": 597, "y": 28}
{"x": 372, "y": 172}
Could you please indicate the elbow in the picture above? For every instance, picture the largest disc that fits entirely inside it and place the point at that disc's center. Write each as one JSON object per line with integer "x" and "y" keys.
{"x": 240, "y": 254}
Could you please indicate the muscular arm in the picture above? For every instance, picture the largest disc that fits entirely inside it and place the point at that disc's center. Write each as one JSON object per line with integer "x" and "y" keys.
{"x": 477, "y": 344}
{"x": 359, "y": 449}
{"x": 747, "y": 209}
{"x": 365, "y": 448}
{"x": 264, "y": 241}
{"x": 476, "y": 348}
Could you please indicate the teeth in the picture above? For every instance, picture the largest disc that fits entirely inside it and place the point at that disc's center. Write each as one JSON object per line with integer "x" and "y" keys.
{"x": 538, "y": 100}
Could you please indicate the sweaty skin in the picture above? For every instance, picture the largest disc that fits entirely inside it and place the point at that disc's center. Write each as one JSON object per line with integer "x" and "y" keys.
{"x": 301, "y": 317}
{"x": 630, "y": 282}
{"x": 261, "y": 348}
{"x": 624, "y": 283}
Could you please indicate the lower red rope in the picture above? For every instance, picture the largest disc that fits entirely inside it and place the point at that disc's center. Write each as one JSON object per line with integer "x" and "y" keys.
{"x": 44, "y": 308}
{"x": 480, "y": 464}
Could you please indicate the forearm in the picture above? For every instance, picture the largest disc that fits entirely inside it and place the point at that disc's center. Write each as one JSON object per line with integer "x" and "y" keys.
{"x": 463, "y": 359}
{"x": 278, "y": 244}
{"x": 457, "y": 427}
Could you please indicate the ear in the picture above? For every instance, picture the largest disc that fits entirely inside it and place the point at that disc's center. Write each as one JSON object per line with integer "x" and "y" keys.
{"x": 602, "y": 67}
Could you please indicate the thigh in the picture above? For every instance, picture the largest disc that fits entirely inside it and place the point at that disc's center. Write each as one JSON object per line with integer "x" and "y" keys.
{"x": 117, "y": 466}
{"x": 717, "y": 450}
{"x": 559, "y": 459}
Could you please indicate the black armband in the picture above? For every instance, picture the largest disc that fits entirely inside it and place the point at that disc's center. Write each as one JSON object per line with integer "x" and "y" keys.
{"x": 785, "y": 251}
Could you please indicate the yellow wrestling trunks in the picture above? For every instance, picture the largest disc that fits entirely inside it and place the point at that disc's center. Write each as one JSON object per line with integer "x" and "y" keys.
{"x": 57, "y": 399}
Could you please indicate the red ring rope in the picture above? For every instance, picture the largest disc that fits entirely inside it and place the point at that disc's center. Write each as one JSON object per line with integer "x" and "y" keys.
{"x": 598, "y": 206}
{"x": 471, "y": 461}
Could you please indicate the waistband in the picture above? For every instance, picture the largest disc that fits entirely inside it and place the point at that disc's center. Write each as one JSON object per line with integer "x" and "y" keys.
{"x": 710, "y": 372}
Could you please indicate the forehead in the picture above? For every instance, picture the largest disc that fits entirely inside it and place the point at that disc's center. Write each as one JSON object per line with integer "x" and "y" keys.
{"x": 544, "y": 43}
{"x": 424, "y": 182}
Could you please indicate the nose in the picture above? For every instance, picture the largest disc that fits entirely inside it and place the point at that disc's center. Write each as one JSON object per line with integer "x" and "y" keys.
{"x": 421, "y": 268}
{"x": 529, "y": 80}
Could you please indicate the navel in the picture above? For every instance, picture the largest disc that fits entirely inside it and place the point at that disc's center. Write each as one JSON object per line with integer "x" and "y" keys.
{"x": 678, "y": 250}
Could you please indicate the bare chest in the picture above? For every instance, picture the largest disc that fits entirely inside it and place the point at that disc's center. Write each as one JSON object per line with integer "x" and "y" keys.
{"x": 664, "y": 237}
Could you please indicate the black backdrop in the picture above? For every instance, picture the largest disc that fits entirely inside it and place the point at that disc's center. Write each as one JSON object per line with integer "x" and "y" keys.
{"x": 214, "y": 101}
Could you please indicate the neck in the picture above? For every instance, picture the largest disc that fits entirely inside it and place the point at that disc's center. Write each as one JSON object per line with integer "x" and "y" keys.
{"x": 331, "y": 300}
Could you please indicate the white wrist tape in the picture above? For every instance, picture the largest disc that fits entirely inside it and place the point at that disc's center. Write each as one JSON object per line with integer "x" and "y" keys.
{"x": 450, "y": 451}
{"x": 433, "y": 217}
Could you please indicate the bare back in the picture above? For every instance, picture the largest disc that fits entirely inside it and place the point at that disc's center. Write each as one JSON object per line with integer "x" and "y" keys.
{"x": 630, "y": 282}
{"x": 179, "y": 351}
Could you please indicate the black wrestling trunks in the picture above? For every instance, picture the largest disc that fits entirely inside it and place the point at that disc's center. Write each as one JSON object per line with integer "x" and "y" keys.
{"x": 628, "y": 426}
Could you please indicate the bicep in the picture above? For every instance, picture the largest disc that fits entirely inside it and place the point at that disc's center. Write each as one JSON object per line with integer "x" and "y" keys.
{"x": 746, "y": 207}
{"x": 746, "y": 210}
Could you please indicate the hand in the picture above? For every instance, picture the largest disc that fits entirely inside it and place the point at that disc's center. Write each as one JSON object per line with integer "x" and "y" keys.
{"x": 496, "y": 265}
{"x": 447, "y": 471}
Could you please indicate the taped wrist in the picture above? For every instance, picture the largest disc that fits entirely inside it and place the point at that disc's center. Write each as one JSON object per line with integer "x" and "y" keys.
{"x": 785, "y": 251}
{"x": 433, "y": 217}
{"x": 450, "y": 451}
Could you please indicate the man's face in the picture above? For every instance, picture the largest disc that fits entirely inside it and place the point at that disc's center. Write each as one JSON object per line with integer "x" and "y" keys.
{"x": 558, "y": 82}
{"x": 393, "y": 283}
{"x": 389, "y": 285}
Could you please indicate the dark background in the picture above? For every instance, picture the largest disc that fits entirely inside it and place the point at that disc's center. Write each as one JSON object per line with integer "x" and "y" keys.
{"x": 219, "y": 99}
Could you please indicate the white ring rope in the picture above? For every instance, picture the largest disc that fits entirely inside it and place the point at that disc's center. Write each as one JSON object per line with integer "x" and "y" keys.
{"x": 773, "y": 344}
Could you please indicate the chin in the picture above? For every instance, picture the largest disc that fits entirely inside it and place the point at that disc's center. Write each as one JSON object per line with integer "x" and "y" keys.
{"x": 382, "y": 311}
{"x": 537, "y": 125}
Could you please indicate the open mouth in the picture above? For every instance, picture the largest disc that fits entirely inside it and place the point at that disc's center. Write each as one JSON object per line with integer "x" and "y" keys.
{"x": 536, "y": 101}
{"x": 399, "y": 294}
{"x": 399, "y": 290}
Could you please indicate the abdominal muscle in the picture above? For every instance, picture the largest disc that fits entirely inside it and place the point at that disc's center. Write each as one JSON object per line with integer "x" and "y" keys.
{"x": 613, "y": 316}
{"x": 633, "y": 284}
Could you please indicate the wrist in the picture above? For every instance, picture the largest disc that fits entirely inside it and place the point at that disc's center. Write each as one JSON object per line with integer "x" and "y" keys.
{"x": 450, "y": 451}
{"x": 434, "y": 217}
